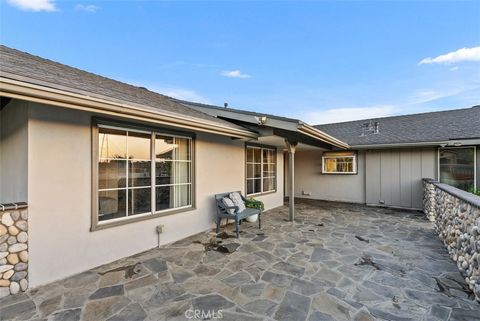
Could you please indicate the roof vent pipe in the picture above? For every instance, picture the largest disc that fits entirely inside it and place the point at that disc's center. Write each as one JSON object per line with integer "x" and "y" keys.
{"x": 225, "y": 104}
{"x": 370, "y": 128}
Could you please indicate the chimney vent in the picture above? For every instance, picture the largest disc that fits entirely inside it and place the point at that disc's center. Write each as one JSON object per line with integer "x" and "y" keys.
{"x": 370, "y": 128}
{"x": 225, "y": 104}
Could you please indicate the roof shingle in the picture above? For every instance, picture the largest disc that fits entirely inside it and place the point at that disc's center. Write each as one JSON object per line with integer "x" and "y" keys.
{"x": 417, "y": 128}
{"x": 18, "y": 65}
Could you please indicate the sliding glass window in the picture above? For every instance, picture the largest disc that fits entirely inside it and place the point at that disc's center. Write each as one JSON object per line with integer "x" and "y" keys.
{"x": 133, "y": 180}
{"x": 457, "y": 167}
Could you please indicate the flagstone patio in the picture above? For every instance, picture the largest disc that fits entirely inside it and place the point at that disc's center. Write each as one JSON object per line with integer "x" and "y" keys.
{"x": 335, "y": 262}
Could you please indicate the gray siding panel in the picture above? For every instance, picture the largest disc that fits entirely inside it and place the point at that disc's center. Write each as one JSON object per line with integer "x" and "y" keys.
{"x": 394, "y": 177}
{"x": 406, "y": 160}
{"x": 429, "y": 163}
{"x": 396, "y": 195}
{"x": 416, "y": 191}
{"x": 478, "y": 167}
{"x": 386, "y": 171}
{"x": 372, "y": 182}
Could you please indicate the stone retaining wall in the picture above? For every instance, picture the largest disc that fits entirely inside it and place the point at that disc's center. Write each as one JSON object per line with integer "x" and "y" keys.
{"x": 13, "y": 248}
{"x": 429, "y": 200}
{"x": 456, "y": 215}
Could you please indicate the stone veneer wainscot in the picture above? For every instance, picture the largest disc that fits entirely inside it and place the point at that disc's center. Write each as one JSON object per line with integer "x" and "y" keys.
{"x": 13, "y": 248}
{"x": 456, "y": 215}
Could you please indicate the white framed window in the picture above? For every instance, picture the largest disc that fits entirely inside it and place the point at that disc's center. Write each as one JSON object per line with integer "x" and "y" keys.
{"x": 457, "y": 166}
{"x": 261, "y": 170}
{"x": 339, "y": 163}
{"x": 140, "y": 173}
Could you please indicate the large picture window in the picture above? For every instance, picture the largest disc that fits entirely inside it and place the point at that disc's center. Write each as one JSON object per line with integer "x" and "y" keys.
{"x": 261, "y": 170}
{"x": 457, "y": 167}
{"x": 142, "y": 173}
{"x": 339, "y": 163}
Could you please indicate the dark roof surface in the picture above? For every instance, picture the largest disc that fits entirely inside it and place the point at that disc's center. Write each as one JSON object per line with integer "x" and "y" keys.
{"x": 241, "y": 111}
{"x": 427, "y": 127}
{"x": 18, "y": 65}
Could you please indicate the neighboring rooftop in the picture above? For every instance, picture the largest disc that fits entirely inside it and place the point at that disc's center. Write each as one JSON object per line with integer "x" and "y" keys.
{"x": 22, "y": 66}
{"x": 294, "y": 130}
{"x": 450, "y": 125}
{"x": 239, "y": 111}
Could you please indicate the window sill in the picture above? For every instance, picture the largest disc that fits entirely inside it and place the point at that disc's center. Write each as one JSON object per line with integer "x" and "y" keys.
{"x": 261, "y": 194}
{"x": 323, "y": 173}
{"x": 139, "y": 218}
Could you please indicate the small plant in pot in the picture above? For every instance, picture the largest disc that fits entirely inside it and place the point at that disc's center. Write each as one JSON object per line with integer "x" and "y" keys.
{"x": 253, "y": 203}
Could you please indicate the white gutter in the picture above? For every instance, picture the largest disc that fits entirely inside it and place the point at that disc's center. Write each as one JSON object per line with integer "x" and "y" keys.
{"x": 45, "y": 95}
{"x": 318, "y": 134}
{"x": 445, "y": 143}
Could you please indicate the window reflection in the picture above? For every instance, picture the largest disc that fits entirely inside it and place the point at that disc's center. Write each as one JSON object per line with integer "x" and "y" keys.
{"x": 261, "y": 170}
{"x": 111, "y": 204}
{"x": 125, "y": 183}
{"x": 112, "y": 143}
{"x": 457, "y": 167}
{"x": 139, "y": 146}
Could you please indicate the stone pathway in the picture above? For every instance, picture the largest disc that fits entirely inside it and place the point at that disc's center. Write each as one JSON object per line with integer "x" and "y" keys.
{"x": 336, "y": 262}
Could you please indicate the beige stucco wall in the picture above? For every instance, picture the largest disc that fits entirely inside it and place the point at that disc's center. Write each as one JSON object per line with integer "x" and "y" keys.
{"x": 309, "y": 179}
{"x": 13, "y": 152}
{"x": 59, "y": 172}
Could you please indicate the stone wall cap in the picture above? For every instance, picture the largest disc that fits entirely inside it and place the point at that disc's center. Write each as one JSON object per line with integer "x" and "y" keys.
{"x": 12, "y": 206}
{"x": 470, "y": 198}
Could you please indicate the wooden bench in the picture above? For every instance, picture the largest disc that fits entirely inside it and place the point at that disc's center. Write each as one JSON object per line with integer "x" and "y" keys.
{"x": 223, "y": 212}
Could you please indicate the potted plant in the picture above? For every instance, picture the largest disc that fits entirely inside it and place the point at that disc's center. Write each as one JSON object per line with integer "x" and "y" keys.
{"x": 253, "y": 203}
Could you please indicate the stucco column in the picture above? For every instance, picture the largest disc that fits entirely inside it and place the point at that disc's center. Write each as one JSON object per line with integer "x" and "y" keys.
{"x": 291, "y": 146}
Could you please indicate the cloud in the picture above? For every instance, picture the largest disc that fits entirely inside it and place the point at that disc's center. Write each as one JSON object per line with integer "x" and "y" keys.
{"x": 336, "y": 115}
{"x": 425, "y": 96}
{"x": 34, "y": 5}
{"x": 87, "y": 8}
{"x": 463, "y": 54}
{"x": 182, "y": 94}
{"x": 235, "y": 74}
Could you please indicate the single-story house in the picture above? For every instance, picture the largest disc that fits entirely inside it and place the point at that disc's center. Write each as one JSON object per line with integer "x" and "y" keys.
{"x": 387, "y": 157}
{"x": 90, "y": 167}
{"x": 101, "y": 164}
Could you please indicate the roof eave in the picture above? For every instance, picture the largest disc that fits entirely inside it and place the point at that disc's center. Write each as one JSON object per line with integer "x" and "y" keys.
{"x": 320, "y": 135}
{"x": 26, "y": 91}
{"x": 279, "y": 123}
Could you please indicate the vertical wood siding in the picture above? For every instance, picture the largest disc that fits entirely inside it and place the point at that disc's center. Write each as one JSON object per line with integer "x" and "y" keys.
{"x": 393, "y": 177}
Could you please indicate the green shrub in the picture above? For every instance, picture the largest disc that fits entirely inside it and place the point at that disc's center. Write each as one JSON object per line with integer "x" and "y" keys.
{"x": 474, "y": 191}
{"x": 253, "y": 203}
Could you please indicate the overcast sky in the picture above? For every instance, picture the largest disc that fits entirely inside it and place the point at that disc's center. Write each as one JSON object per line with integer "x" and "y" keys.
{"x": 318, "y": 61}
